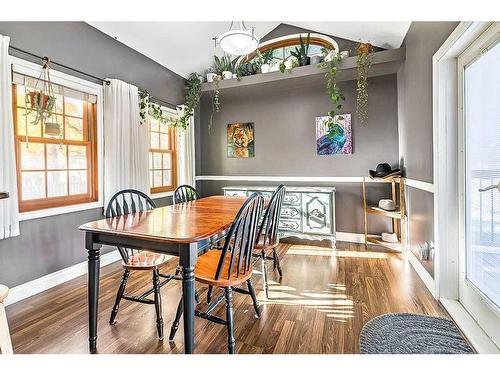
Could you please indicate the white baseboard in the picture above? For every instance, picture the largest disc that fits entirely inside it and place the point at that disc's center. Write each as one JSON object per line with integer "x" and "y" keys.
{"x": 427, "y": 279}
{"x": 476, "y": 336}
{"x": 350, "y": 237}
{"x": 51, "y": 280}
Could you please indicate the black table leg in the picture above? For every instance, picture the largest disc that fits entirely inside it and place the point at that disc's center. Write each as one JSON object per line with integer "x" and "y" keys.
{"x": 93, "y": 288}
{"x": 187, "y": 259}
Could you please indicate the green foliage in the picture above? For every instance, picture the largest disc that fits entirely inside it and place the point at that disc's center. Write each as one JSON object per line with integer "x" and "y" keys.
{"x": 333, "y": 90}
{"x": 303, "y": 50}
{"x": 215, "y": 104}
{"x": 247, "y": 68}
{"x": 265, "y": 57}
{"x": 223, "y": 64}
{"x": 191, "y": 100}
{"x": 364, "y": 63}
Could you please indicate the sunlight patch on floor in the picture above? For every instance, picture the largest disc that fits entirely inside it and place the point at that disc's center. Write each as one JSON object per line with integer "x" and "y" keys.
{"x": 327, "y": 252}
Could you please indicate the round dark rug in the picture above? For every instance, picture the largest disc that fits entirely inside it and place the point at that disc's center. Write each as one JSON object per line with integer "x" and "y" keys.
{"x": 405, "y": 333}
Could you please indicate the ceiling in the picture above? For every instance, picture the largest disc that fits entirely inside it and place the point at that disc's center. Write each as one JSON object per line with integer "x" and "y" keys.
{"x": 186, "y": 47}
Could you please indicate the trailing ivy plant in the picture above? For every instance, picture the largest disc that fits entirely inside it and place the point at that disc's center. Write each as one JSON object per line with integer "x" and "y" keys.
{"x": 191, "y": 100}
{"x": 336, "y": 96}
{"x": 364, "y": 63}
{"x": 215, "y": 104}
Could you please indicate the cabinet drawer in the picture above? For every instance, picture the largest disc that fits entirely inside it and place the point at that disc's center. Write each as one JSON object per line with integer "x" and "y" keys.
{"x": 290, "y": 225}
{"x": 292, "y": 199}
{"x": 290, "y": 212}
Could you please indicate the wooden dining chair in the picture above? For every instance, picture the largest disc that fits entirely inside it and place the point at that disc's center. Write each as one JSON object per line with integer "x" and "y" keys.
{"x": 5, "y": 343}
{"x": 267, "y": 236}
{"x": 229, "y": 268}
{"x": 185, "y": 193}
{"x": 123, "y": 203}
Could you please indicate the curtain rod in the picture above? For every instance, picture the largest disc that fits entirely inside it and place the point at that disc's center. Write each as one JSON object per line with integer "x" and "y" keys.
{"x": 103, "y": 80}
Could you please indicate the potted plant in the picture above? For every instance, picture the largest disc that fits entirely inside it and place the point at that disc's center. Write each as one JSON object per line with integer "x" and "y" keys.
{"x": 224, "y": 66}
{"x": 247, "y": 68}
{"x": 265, "y": 60}
{"x": 211, "y": 74}
{"x": 301, "y": 52}
{"x": 364, "y": 62}
{"x": 41, "y": 103}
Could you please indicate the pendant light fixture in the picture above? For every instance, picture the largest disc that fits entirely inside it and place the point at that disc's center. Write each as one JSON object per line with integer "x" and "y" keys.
{"x": 238, "y": 41}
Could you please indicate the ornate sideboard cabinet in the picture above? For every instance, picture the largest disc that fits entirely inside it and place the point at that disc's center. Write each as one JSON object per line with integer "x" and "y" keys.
{"x": 307, "y": 212}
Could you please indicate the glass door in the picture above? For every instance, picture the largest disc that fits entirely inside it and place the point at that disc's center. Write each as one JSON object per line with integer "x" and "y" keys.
{"x": 479, "y": 287}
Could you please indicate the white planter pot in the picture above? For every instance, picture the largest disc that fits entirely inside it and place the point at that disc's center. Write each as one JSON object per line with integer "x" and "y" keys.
{"x": 227, "y": 74}
{"x": 274, "y": 67}
{"x": 288, "y": 64}
{"x": 211, "y": 77}
{"x": 235, "y": 75}
{"x": 265, "y": 68}
{"x": 344, "y": 54}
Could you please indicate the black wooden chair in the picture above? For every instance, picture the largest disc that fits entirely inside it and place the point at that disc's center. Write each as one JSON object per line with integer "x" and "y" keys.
{"x": 267, "y": 237}
{"x": 133, "y": 201}
{"x": 185, "y": 193}
{"x": 230, "y": 267}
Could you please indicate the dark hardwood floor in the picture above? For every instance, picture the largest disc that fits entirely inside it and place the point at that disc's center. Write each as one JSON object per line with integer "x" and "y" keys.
{"x": 319, "y": 306}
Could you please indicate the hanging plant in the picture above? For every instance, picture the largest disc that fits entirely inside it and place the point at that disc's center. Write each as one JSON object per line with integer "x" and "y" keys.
{"x": 364, "y": 62}
{"x": 42, "y": 101}
{"x": 191, "y": 100}
{"x": 330, "y": 63}
{"x": 215, "y": 104}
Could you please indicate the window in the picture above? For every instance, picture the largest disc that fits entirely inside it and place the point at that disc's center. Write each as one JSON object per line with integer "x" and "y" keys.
{"x": 284, "y": 45}
{"x": 56, "y": 158}
{"x": 162, "y": 157}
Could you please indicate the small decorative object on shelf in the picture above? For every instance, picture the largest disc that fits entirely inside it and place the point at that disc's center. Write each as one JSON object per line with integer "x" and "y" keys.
{"x": 4, "y": 194}
{"x": 395, "y": 210}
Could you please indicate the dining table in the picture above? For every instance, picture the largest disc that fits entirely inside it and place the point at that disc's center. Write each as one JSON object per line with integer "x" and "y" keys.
{"x": 175, "y": 230}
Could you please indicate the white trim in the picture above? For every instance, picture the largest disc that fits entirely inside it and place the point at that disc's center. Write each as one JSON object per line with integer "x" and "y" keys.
{"x": 162, "y": 195}
{"x": 426, "y": 186}
{"x": 421, "y": 272}
{"x": 476, "y": 336}
{"x": 24, "y": 216}
{"x": 350, "y": 237}
{"x": 31, "y": 69}
{"x": 283, "y": 179}
{"x": 51, "y": 280}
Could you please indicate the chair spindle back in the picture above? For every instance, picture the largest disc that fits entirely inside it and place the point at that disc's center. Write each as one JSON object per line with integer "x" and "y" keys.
{"x": 240, "y": 239}
{"x": 124, "y": 202}
{"x": 185, "y": 193}
{"x": 270, "y": 222}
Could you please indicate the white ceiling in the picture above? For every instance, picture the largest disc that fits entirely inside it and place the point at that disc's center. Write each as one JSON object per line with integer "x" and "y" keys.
{"x": 186, "y": 47}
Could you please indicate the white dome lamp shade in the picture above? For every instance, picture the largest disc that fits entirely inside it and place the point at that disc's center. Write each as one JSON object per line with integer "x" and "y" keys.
{"x": 238, "y": 42}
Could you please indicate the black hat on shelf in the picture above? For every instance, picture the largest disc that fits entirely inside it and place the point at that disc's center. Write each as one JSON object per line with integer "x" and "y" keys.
{"x": 384, "y": 170}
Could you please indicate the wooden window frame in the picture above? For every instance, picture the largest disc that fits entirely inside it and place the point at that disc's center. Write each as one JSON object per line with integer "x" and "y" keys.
{"x": 89, "y": 118}
{"x": 172, "y": 137}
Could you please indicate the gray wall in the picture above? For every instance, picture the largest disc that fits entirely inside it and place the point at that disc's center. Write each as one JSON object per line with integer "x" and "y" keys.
{"x": 49, "y": 244}
{"x": 285, "y": 139}
{"x": 81, "y": 46}
{"x": 415, "y": 117}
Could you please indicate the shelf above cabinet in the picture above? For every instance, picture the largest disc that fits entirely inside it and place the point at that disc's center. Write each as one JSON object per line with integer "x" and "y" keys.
{"x": 383, "y": 63}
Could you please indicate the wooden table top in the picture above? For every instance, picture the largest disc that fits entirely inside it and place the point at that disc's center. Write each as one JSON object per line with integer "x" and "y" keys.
{"x": 180, "y": 223}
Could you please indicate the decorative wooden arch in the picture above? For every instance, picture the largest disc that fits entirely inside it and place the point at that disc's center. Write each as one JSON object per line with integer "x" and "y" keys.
{"x": 291, "y": 40}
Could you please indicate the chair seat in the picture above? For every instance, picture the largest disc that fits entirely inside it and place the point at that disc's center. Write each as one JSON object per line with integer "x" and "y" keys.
{"x": 207, "y": 265}
{"x": 146, "y": 260}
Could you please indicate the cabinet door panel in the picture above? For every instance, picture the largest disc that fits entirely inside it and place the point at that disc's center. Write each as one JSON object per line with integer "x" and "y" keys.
{"x": 316, "y": 217}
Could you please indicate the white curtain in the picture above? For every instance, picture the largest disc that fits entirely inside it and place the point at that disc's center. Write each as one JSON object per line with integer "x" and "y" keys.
{"x": 185, "y": 155}
{"x": 126, "y": 149}
{"x": 9, "y": 211}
